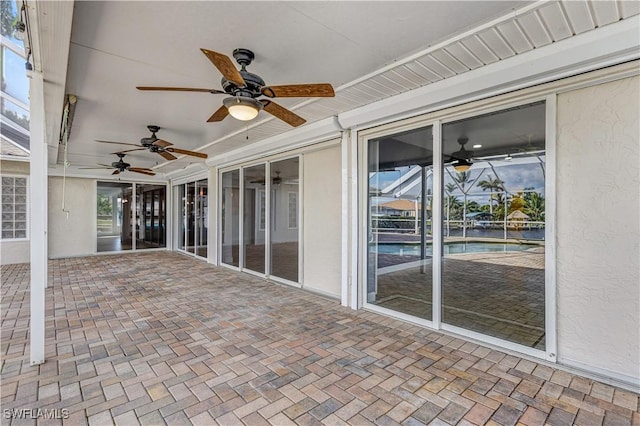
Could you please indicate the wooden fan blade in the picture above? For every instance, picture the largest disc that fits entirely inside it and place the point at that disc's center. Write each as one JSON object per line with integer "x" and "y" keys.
{"x": 116, "y": 172}
{"x": 128, "y": 150}
{"x": 187, "y": 152}
{"x": 119, "y": 143}
{"x": 95, "y": 168}
{"x": 225, "y": 66}
{"x": 141, "y": 170}
{"x": 167, "y": 156}
{"x": 282, "y": 113}
{"x": 181, "y": 89}
{"x": 323, "y": 90}
{"x": 162, "y": 143}
{"x": 220, "y": 114}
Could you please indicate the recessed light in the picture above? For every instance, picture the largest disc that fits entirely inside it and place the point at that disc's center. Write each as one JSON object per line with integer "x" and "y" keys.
{"x": 476, "y": 146}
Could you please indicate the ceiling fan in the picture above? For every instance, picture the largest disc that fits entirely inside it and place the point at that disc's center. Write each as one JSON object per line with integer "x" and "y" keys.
{"x": 158, "y": 146}
{"x": 277, "y": 180}
{"x": 120, "y": 166}
{"x": 462, "y": 157}
{"x": 245, "y": 88}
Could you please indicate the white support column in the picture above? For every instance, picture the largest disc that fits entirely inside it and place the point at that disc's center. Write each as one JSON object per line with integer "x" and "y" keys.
{"x": 349, "y": 166}
{"x": 354, "y": 221}
{"x": 345, "y": 287}
{"x": 38, "y": 218}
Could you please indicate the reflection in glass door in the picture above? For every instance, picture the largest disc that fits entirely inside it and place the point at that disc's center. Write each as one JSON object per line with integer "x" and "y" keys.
{"x": 493, "y": 272}
{"x": 201, "y": 218}
{"x": 284, "y": 218}
{"x": 181, "y": 197}
{"x": 190, "y": 220}
{"x": 193, "y": 216}
{"x": 114, "y": 216}
{"x": 255, "y": 218}
{"x": 150, "y": 216}
{"x": 399, "y": 249}
{"x": 230, "y": 218}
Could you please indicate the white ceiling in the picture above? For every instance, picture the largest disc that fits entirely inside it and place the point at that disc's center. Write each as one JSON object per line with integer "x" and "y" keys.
{"x": 118, "y": 45}
{"x": 366, "y": 50}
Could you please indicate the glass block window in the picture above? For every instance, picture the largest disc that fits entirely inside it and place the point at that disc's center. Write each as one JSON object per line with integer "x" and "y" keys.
{"x": 14, "y": 207}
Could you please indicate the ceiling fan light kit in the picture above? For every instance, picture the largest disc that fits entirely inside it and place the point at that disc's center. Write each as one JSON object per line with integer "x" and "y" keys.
{"x": 462, "y": 165}
{"x": 242, "y": 108}
{"x": 462, "y": 156}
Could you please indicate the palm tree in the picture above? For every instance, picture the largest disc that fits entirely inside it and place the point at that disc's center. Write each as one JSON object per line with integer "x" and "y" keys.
{"x": 492, "y": 185}
{"x": 452, "y": 201}
{"x": 462, "y": 179}
{"x": 534, "y": 205}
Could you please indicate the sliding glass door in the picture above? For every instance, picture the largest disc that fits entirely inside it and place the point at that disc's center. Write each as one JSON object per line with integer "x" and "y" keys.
{"x": 189, "y": 219}
{"x": 493, "y": 271}
{"x": 230, "y": 218}
{"x": 150, "y": 216}
{"x": 193, "y": 217}
{"x": 130, "y": 222}
{"x": 269, "y": 231}
{"x": 201, "y": 218}
{"x": 399, "y": 249}
{"x": 254, "y": 218}
{"x": 487, "y": 279}
{"x": 114, "y": 216}
{"x": 284, "y": 218}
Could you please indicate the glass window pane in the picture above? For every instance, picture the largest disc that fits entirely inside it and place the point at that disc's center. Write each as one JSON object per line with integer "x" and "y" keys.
{"x": 10, "y": 12}
{"x": 254, "y": 224}
{"x": 285, "y": 209}
{"x": 13, "y": 112}
{"x": 202, "y": 217}
{"x": 14, "y": 76}
{"x": 181, "y": 220}
{"x": 493, "y": 211}
{"x": 150, "y": 219}
{"x": 190, "y": 217}
{"x": 399, "y": 273}
{"x": 115, "y": 209}
{"x": 230, "y": 218}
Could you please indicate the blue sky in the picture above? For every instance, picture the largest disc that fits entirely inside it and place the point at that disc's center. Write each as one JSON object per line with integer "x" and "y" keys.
{"x": 516, "y": 178}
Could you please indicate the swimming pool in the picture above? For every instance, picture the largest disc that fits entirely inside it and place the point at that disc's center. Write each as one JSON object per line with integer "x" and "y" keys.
{"x": 450, "y": 248}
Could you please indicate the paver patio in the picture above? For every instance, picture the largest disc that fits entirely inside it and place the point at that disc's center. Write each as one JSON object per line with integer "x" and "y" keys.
{"x": 161, "y": 338}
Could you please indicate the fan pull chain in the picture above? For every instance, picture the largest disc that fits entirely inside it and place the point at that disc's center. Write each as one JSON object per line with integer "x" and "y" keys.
{"x": 247, "y": 137}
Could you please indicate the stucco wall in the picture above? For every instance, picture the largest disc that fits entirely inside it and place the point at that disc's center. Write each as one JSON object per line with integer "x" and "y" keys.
{"x": 77, "y": 234}
{"x": 598, "y": 228}
{"x": 17, "y": 251}
{"x": 322, "y": 221}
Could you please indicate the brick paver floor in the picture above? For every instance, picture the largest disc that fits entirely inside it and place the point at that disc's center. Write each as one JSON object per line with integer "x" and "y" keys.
{"x": 161, "y": 338}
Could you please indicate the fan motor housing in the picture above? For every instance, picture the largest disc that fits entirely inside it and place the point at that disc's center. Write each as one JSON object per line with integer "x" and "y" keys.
{"x": 252, "y": 89}
{"x": 120, "y": 165}
{"x": 147, "y": 141}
